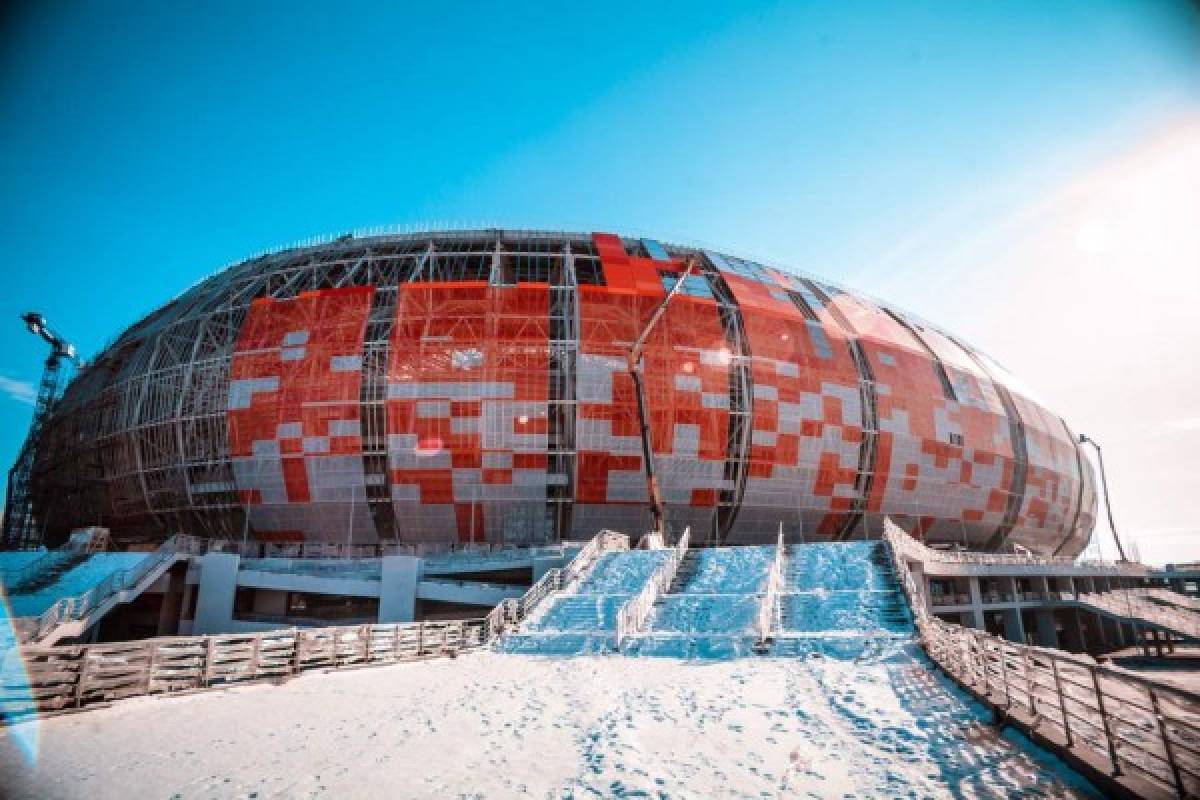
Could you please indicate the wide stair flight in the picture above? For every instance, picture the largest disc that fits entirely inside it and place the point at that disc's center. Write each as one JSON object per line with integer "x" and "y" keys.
{"x": 582, "y": 619}
{"x": 840, "y": 597}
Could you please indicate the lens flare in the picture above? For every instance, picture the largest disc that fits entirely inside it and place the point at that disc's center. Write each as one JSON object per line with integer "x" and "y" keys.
{"x": 18, "y": 696}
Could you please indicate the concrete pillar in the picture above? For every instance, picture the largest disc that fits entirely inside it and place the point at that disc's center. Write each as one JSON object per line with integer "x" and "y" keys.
{"x": 218, "y": 587}
{"x": 1014, "y": 629}
{"x": 1046, "y": 631}
{"x": 976, "y": 603}
{"x": 398, "y": 588}
{"x": 169, "y": 611}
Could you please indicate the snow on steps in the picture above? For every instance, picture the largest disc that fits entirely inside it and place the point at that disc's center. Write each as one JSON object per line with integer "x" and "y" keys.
{"x": 82, "y": 575}
{"x": 582, "y": 619}
{"x": 837, "y": 599}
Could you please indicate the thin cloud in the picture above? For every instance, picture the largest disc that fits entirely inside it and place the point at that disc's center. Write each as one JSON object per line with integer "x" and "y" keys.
{"x": 21, "y": 391}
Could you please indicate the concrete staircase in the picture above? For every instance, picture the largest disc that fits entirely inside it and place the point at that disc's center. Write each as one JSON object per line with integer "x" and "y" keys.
{"x": 710, "y": 609}
{"x": 582, "y": 619}
{"x": 82, "y": 593}
{"x": 839, "y": 599}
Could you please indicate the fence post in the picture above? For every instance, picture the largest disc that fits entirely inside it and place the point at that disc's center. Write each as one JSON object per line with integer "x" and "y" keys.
{"x": 254, "y": 655}
{"x": 208, "y": 659}
{"x": 81, "y": 675}
{"x": 1062, "y": 704}
{"x": 1112, "y": 745}
{"x": 1167, "y": 749}
{"x": 296, "y": 647}
{"x": 151, "y": 661}
{"x": 1004, "y": 675}
{"x": 1029, "y": 688}
{"x": 981, "y": 653}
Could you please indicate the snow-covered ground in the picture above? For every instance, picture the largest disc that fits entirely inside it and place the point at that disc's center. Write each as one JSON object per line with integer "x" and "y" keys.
{"x": 494, "y": 725}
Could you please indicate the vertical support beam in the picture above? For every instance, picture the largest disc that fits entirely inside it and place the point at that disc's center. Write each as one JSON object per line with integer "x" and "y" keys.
{"x": 1046, "y": 631}
{"x": 218, "y": 588}
{"x": 868, "y": 448}
{"x": 1016, "y": 436}
{"x": 1014, "y": 628}
{"x": 741, "y": 398}
{"x": 561, "y": 393}
{"x": 398, "y": 270}
{"x": 399, "y": 576}
{"x": 976, "y": 596}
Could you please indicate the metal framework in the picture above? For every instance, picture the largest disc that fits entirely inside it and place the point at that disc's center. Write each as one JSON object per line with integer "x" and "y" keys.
{"x": 470, "y": 386}
{"x": 21, "y": 529}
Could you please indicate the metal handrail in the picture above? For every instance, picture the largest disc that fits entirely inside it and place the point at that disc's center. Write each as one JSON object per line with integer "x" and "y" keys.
{"x": 766, "y": 609}
{"x": 1170, "y": 597}
{"x": 1130, "y": 605}
{"x": 633, "y": 613}
{"x": 516, "y": 611}
{"x": 1136, "y": 725}
{"x": 78, "y": 607}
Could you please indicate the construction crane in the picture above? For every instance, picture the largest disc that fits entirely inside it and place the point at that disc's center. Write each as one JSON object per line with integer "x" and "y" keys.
{"x": 633, "y": 363}
{"x": 20, "y": 530}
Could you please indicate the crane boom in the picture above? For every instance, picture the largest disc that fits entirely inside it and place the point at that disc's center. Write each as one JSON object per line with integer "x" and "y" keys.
{"x": 634, "y": 366}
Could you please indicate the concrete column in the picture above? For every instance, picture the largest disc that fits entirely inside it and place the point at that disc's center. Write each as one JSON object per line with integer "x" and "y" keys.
{"x": 218, "y": 586}
{"x": 398, "y": 588}
{"x": 1014, "y": 628}
{"x": 169, "y": 611}
{"x": 1073, "y": 631}
{"x": 1046, "y": 632}
{"x": 976, "y": 603}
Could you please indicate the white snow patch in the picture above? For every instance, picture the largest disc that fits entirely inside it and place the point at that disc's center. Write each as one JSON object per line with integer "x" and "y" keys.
{"x": 492, "y": 725}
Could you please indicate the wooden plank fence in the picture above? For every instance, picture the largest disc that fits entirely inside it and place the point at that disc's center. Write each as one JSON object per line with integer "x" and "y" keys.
{"x": 56, "y": 679}
{"x": 1143, "y": 732}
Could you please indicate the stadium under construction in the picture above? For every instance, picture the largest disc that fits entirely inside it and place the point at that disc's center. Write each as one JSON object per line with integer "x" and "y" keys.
{"x": 479, "y": 387}
{"x": 389, "y": 447}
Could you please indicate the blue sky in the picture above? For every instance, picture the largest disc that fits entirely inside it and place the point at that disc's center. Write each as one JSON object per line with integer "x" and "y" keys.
{"x": 144, "y": 145}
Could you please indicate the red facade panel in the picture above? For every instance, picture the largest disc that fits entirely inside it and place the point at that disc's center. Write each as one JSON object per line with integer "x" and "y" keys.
{"x": 807, "y": 416}
{"x": 466, "y": 411}
{"x": 293, "y": 415}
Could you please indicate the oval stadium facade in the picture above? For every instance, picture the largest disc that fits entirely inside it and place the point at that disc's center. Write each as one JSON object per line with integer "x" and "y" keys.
{"x": 473, "y": 387}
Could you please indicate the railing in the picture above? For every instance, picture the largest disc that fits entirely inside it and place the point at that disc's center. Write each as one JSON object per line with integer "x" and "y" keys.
{"x": 515, "y": 611}
{"x": 379, "y": 550}
{"x": 632, "y": 615}
{"x": 766, "y": 611}
{"x": 87, "y": 540}
{"x": 68, "y": 609}
{"x": 524, "y": 605}
{"x": 1135, "y": 726}
{"x": 930, "y": 554}
{"x": 601, "y": 542}
{"x": 76, "y": 608}
{"x": 68, "y": 677}
{"x": 1172, "y": 598}
{"x": 37, "y": 679}
{"x": 1131, "y": 604}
